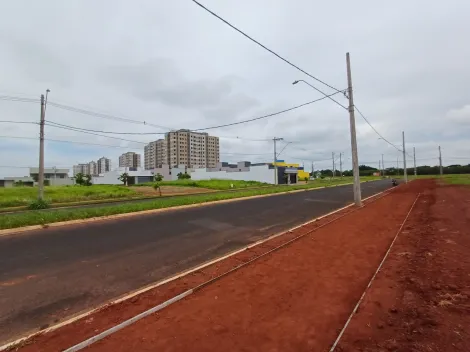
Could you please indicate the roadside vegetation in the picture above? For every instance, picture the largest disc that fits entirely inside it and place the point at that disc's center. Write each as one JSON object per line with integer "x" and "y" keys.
{"x": 24, "y": 196}
{"x": 456, "y": 179}
{"x": 213, "y": 184}
{"x": 38, "y": 217}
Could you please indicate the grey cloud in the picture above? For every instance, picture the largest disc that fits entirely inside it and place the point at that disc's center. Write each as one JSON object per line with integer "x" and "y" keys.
{"x": 160, "y": 80}
{"x": 174, "y": 65}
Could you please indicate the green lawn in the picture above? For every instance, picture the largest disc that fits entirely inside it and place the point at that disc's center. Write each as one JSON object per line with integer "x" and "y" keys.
{"x": 21, "y": 196}
{"x": 47, "y": 217}
{"x": 462, "y": 179}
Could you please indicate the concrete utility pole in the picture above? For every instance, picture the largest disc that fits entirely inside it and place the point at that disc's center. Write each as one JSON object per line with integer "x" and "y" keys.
{"x": 352, "y": 124}
{"x": 383, "y": 166}
{"x": 275, "y": 159}
{"x": 313, "y": 170}
{"x": 405, "y": 175}
{"x": 414, "y": 161}
{"x": 41, "y": 151}
{"x": 340, "y": 165}
{"x": 380, "y": 169}
{"x": 398, "y": 172}
{"x": 333, "y": 160}
{"x": 441, "y": 171}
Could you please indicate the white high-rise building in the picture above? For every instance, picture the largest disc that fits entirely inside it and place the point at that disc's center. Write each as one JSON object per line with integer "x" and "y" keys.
{"x": 183, "y": 147}
{"x": 104, "y": 165}
{"x": 93, "y": 168}
{"x": 129, "y": 159}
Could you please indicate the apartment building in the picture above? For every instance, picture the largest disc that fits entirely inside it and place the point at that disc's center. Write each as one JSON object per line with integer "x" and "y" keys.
{"x": 183, "y": 147}
{"x": 129, "y": 159}
{"x": 155, "y": 154}
{"x": 93, "y": 168}
{"x": 104, "y": 165}
{"x": 81, "y": 169}
{"x": 161, "y": 153}
{"x": 150, "y": 159}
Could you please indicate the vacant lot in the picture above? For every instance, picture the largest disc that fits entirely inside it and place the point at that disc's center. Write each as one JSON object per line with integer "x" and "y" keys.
{"x": 20, "y": 196}
{"x": 420, "y": 301}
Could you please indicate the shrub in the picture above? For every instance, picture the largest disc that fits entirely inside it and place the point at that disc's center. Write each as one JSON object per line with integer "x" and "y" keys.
{"x": 38, "y": 204}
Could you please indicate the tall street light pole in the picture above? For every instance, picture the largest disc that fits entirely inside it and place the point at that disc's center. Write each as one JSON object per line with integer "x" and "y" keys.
{"x": 441, "y": 172}
{"x": 41, "y": 150}
{"x": 383, "y": 166}
{"x": 352, "y": 124}
{"x": 405, "y": 174}
{"x": 275, "y": 158}
{"x": 340, "y": 165}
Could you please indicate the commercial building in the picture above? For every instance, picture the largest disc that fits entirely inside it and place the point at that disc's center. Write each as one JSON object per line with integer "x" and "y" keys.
{"x": 53, "y": 176}
{"x": 129, "y": 159}
{"x": 246, "y": 171}
{"x": 301, "y": 173}
{"x": 183, "y": 147}
{"x": 104, "y": 165}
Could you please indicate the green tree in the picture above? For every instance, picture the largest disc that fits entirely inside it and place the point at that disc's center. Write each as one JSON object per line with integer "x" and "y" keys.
{"x": 87, "y": 180}
{"x": 19, "y": 183}
{"x": 158, "y": 177}
{"x": 80, "y": 179}
{"x": 124, "y": 178}
{"x": 157, "y": 187}
{"x": 184, "y": 176}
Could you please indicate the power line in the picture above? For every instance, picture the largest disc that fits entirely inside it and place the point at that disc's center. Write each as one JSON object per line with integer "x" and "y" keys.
{"x": 265, "y": 47}
{"x": 94, "y": 134}
{"x": 27, "y": 122}
{"x": 73, "y": 142}
{"x": 103, "y": 116}
{"x": 146, "y": 133}
{"x": 122, "y": 119}
{"x": 90, "y": 130}
{"x": 382, "y": 137}
{"x": 264, "y": 116}
{"x": 19, "y": 99}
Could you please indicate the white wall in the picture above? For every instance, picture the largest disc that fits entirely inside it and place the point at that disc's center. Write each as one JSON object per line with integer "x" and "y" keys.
{"x": 260, "y": 173}
{"x": 108, "y": 178}
{"x": 170, "y": 174}
{"x": 61, "y": 181}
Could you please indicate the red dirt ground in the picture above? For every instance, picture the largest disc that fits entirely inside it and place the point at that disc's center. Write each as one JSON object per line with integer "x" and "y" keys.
{"x": 420, "y": 300}
{"x": 295, "y": 299}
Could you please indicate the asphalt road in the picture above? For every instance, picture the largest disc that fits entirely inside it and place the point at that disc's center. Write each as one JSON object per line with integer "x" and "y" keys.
{"x": 50, "y": 274}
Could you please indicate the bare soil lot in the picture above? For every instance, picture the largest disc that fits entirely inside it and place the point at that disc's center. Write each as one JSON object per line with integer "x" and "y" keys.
{"x": 421, "y": 298}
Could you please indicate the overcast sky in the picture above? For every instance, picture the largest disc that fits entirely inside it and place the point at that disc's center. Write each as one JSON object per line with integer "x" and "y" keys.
{"x": 172, "y": 64}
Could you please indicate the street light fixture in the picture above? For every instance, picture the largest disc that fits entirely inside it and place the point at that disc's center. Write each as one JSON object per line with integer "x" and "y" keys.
{"x": 352, "y": 123}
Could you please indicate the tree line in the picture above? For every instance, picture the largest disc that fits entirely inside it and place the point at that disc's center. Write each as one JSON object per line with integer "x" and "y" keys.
{"x": 365, "y": 170}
